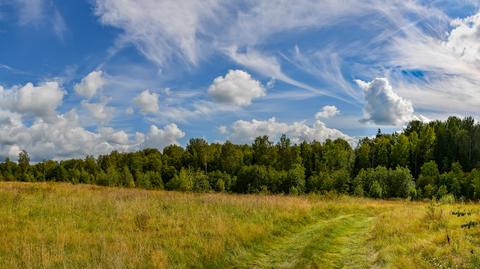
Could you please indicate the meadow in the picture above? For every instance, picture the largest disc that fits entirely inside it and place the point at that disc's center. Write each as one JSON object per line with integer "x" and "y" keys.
{"x": 55, "y": 225}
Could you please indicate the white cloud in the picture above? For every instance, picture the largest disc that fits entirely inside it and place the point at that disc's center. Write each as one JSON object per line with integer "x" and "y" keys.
{"x": 159, "y": 138}
{"x": 13, "y": 152}
{"x": 161, "y": 29}
{"x": 464, "y": 39}
{"x": 30, "y": 11}
{"x": 185, "y": 31}
{"x": 66, "y": 138}
{"x": 60, "y": 139}
{"x": 62, "y": 136}
{"x": 114, "y": 137}
{"x": 40, "y": 13}
{"x": 246, "y": 131}
{"x": 90, "y": 84}
{"x": 147, "y": 101}
{"x": 383, "y": 106}
{"x": 327, "y": 112}
{"x": 263, "y": 64}
{"x": 100, "y": 112}
{"x": 223, "y": 129}
{"x": 449, "y": 63}
{"x": 237, "y": 88}
{"x": 269, "y": 66}
{"x": 38, "y": 101}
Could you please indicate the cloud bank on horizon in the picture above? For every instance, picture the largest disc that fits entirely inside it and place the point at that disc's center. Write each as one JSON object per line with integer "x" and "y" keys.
{"x": 89, "y": 77}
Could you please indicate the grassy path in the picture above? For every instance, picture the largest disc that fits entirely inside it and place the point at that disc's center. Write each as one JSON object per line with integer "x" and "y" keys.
{"x": 338, "y": 242}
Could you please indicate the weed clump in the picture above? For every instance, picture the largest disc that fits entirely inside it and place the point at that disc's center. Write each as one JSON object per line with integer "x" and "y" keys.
{"x": 142, "y": 221}
{"x": 461, "y": 213}
{"x": 434, "y": 217}
{"x": 469, "y": 224}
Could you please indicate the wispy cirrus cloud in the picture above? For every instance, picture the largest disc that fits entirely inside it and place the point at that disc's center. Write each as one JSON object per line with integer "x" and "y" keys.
{"x": 38, "y": 13}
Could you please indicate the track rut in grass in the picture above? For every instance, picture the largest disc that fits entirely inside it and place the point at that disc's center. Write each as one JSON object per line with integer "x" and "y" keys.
{"x": 338, "y": 242}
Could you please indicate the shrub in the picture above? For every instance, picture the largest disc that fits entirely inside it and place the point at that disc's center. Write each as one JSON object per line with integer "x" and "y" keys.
{"x": 256, "y": 179}
{"x": 428, "y": 191}
{"x": 183, "y": 181}
{"x": 434, "y": 217}
{"x": 221, "y": 181}
{"x": 155, "y": 179}
{"x": 447, "y": 199}
{"x": 294, "y": 180}
{"x": 442, "y": 191}
{"x": 376, "y": 190}
{"x": 200, "y": 182}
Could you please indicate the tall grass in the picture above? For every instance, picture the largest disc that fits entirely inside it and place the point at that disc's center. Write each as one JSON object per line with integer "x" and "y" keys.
{"x": 81, "y": 226}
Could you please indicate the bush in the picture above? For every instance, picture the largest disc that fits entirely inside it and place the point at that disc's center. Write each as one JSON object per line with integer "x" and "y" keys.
{"x": 358, "y": 191}
{"x": 155, "y": 179}
{"x": 400, "y": 183}
{"x": 447, "y": 199}
{"x": 442, "y": 191}
{"x": 200, "y": 182}
{"x": 434, "y": 216}
{"x": 384, "y": 183}
{"x": 294, "y": 180}
{"x": 183, "y": 181}
{"x": 255, "y": 179}
{"x": 376, "y": 190}
{"x": 429, "y": 191}
{"x": 221, "y": 181}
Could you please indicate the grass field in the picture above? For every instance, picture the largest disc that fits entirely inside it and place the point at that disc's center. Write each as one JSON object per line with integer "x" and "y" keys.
{"x": 81, "y": 226}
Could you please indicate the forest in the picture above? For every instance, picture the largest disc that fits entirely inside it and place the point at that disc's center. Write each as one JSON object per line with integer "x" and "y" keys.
{"x": 425, "y": 160}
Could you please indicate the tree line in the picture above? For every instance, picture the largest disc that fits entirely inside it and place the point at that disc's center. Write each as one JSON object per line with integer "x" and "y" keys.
{"x": 425, "y": 160}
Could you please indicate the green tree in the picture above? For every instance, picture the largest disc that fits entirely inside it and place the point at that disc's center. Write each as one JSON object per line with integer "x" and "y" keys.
{"x": 400, "y": 151}
{"x": 198, "y": 154}
{"x": 294, "y": 180}
{"x": 231, "y": 158}
{"x": 183, "y": 181}
{"x": 376, "y": 190}
{"x": 288, "y": 155}
{"x": 24, "y": 166}
{"x": 127, "y": 178}
{"x": 429, "y": 175}
{"x": 263, "y": 151}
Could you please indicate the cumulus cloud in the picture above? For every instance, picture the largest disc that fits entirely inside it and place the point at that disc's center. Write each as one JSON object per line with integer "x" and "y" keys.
{"x": 383, "y": 105}
{"x": 243, "y": 131}
{"x": 159, "y": 138}
{"x": 222, "y": 129}
{"x": 449, "y": 64}
{"x": 29, "y": 121}
{"x": 147, "y": 102}
{"x": 114, "y": 137}
{"x": 464, "y": 39}
{"x": 100, "y": 112}
{"x": 90, "y": 84}
{"x": 327, "y": 112}
{"x": 66, "y": 138}
{"x": 33, "y": 101}
{"x": 236, "y": 88}
{"x": 59, "y": 139}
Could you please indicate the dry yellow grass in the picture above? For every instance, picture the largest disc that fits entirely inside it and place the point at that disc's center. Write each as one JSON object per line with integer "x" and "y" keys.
{"x": 52, "y": 225}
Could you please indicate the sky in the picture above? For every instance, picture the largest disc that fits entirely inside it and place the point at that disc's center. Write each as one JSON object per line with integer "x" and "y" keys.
{"x": 87, "y": 77}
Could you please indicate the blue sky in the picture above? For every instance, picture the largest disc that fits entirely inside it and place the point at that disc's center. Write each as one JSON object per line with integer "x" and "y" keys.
{"x": 88, "y": 77}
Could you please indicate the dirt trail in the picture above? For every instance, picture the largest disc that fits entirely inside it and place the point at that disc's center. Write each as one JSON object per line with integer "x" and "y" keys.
{"x": 338, "y": 242}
